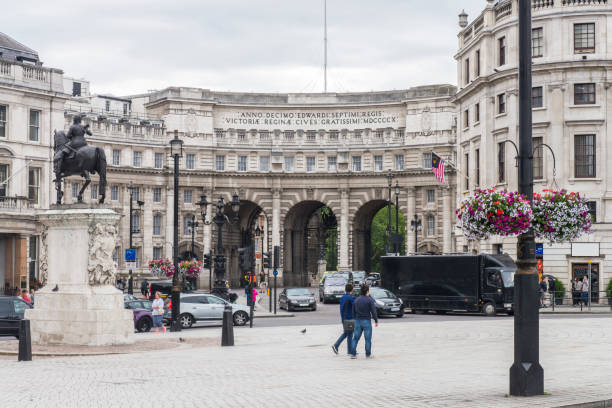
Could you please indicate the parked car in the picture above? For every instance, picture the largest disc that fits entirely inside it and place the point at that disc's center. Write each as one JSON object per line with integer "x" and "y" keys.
{"x": 387, "y": 304}
{"x": 197, "y": 307}
{"x": 359, "y": 277}
{"x": 12, "y": 309}
{"x": 373, "y": 279}
{"x": 165, "y": 287}
{"x": 127, "y": 297}
{"x": 297, "y": 298}
{"x": 332, "y": 288}
{"x": 139, "y": 304}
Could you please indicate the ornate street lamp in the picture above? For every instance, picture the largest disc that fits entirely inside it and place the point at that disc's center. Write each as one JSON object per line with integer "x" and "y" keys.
{"x": 176, "y": 150}
{"x": 390, "y": 185}
{"x": 397, "y": 236}
{"x": 416, "y": 226}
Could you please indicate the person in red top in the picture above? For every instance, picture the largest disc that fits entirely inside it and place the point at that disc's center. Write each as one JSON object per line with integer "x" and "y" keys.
{"x": 24, "y": 296}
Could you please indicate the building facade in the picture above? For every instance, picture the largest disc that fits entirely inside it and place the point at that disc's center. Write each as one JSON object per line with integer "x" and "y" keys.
{"x": 287, "y": 156}
{"x": 572, "y": 73}
{"x": 31, "y": 106}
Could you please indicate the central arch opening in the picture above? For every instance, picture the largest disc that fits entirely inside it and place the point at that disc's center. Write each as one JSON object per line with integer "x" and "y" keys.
{"x": 310, "y": 236}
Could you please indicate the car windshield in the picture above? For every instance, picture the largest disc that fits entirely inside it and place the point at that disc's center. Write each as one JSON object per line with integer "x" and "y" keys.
{"x": 378, "y": 293}
{"x": 358, "y": 275}
{"x": 298, "y": 292}
{"x": 508, "y": 278}
{"x": 335, "y": 281}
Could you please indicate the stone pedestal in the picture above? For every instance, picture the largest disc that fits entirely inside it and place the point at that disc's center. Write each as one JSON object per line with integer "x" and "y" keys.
{"x": 79, "y": 304}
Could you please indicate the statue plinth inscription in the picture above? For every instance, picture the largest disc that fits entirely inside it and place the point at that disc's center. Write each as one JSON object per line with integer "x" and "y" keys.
{"x": 79, "y": 304}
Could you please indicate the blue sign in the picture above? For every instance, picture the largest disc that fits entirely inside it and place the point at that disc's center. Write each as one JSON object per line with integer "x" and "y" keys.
{"x": 130, "y": 255}
{"x": 275, "y": 272}
{"x": 539, "y": 249}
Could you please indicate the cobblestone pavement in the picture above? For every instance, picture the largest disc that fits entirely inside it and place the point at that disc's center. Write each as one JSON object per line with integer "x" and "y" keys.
{"x": 415, "y": 364}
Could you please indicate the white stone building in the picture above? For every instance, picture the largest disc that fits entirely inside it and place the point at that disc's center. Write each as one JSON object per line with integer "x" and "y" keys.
{"x": 572, "y": 74}
{"x": 286, "y": 155}
{"x": 32, "y": 103}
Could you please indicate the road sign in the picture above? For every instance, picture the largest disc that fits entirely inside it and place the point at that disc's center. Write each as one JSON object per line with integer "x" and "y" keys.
{"x": 130, "y": 255}
{"x": 275, "y": 272}
{"x": 539, "y": 249}
{"x": 130, "y": 265}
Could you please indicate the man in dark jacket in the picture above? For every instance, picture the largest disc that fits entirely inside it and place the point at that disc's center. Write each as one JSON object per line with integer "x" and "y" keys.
{"x": 364, "y": 309}
{"x": 346, "y": 313}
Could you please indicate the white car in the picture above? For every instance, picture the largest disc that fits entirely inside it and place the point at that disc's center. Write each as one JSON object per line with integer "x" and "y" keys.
{"x": 197, "y": 307}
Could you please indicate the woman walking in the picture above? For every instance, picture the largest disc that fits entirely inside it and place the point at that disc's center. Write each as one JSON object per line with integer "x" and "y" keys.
{"x": 158, "y": 313}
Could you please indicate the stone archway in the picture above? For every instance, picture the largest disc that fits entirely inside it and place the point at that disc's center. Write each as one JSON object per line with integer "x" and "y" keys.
{"x": 304, "y": 241}
{"x": 362, "y": 239}
{"x": 237, "y": 233}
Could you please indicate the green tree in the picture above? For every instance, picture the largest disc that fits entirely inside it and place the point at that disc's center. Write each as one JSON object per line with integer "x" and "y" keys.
{"x": 329, "y": 222}
{"x": 379, "y": 238}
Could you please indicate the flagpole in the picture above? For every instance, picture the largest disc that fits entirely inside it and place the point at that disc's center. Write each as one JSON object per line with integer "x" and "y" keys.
{"x": 453, "y": 165}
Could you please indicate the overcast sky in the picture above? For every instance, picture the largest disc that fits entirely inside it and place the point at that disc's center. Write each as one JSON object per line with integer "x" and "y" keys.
{"x": 131, "y": 46}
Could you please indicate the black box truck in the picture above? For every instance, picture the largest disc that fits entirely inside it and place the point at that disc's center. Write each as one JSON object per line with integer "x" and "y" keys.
{"x": 472, "y": 283}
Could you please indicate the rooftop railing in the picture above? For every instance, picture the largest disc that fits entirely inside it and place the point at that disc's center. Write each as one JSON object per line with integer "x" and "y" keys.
{"x": 15, "y": 203}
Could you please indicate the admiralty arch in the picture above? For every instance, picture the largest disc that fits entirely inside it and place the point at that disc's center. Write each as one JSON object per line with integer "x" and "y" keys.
{"x": 287, "y": 156}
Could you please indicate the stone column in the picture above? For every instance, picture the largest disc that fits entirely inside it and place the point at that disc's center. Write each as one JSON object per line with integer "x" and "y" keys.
{"x": 446, "y": 221}
{"x": 343, "y": 251}
{"x": 411, "y": 210}
{"x": 169, "y": 221}
{"x": 276, "y": 194}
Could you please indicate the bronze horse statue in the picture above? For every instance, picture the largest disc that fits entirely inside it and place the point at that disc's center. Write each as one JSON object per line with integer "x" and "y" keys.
{"x": 86, "y": 160}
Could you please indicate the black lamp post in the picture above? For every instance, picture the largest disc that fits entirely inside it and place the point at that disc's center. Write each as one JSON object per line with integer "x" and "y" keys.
{"x": 140, "y": 204}
{"x": 397, "y": 192}
{"x": 526, "y": 374}
{"x": 220, "y": 218}
{"x": 176, "y": 150}
{"x": 193, "y": 227}
{"x": 416, "y": 226}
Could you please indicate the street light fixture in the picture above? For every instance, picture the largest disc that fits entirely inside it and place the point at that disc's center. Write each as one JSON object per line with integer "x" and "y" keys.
{"x": 176, "y": 150}
{"x": 416, "y": 226}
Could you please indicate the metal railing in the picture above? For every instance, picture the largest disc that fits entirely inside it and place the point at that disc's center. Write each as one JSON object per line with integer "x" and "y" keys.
{"x": 574, "y": 299}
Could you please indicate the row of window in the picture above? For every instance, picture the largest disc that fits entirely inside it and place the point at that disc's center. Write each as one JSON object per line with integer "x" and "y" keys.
{"x": 158, "y": 160}
{"x": 33, "y": 182}
{"x": 584, "y": 94}
{"x": 311, "y": 161}
{"x": 584, "y": 160}
{"x": 584, "y": 43}
{"x": 33, "y": 123}
{"x": 310, "y": 135}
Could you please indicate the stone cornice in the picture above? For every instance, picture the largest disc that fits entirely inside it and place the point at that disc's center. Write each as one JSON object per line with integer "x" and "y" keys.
{"x": 69, "y": 216}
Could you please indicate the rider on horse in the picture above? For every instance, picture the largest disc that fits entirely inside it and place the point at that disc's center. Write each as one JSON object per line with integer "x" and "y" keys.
{"x": 76, "y": 140}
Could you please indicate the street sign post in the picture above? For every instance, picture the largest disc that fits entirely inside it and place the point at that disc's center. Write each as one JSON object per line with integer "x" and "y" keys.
{"x": 130, "y": 255}
{"x": 275, "y": 273}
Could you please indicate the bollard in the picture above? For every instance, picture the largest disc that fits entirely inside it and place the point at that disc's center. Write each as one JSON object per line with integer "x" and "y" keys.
{"x": 25, "y": 341}
{"x": 270, "y": 299}
{"x": 227, "y": 333}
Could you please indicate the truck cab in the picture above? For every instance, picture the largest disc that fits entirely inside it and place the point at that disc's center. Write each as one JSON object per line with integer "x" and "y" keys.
{"x": 497, "y": 284}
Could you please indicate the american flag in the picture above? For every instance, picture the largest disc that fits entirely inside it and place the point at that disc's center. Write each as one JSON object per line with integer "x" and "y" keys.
{"x": 437, "y": 165}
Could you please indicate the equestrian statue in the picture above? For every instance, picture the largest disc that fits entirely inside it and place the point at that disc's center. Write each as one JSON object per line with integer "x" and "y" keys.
{"x": 74, "y": 156}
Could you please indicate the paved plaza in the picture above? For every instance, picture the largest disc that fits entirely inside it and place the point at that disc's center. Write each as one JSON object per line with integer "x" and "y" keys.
{"x": 415, "y": 364}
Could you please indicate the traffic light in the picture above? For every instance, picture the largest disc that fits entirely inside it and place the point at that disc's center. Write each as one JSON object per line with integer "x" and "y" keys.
{"x": 207, "y": 261}
{"x": 243, "y": 259}
{"x": 267, "y": 262}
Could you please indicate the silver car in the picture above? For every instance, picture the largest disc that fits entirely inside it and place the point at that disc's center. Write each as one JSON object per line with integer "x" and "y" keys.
{"x": 197, "y": 307}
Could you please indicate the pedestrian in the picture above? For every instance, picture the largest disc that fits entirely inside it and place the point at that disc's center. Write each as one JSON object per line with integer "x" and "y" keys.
{"x": 543, "y": 288}
{"x": 585, "y": 291}
{"x": 144, "y": 287}
{"x": 32, "y": 295}
{"x": 24, "y": 296}
{"x": 364, "y": 309}
{"x": 158, "y": 313}
{"x": 346, "y": 315}
{"x": 255, "y": 293}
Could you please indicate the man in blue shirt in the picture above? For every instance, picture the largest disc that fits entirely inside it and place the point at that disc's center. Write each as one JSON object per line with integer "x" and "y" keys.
{"x": 364, "y": 309}
{"x": 346, "y": 313}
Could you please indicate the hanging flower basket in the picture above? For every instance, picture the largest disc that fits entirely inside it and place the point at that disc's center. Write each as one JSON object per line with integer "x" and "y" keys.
{"x": 191, "y": 268}
{"x": 494, "y": 212}
{"x": 560, "y": 216}
{"x": 161, "y": 267}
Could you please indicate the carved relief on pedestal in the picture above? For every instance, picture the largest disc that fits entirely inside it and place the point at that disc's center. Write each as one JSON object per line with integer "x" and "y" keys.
{"x": 43, "y": 263}
{"x": 102, "y": 243}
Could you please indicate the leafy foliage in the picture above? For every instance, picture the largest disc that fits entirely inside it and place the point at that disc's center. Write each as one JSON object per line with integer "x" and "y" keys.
{"x": 379, "y": 238}
{"x": 560, "y": 216}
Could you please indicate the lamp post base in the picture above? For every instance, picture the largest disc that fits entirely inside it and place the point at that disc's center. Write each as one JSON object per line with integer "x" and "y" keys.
{"x": 227, "y": 335}
{"x": 526, "y": 374}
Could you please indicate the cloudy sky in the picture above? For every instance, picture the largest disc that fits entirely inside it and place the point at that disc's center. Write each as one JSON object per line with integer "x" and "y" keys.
{"x": 131, "y": 46}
